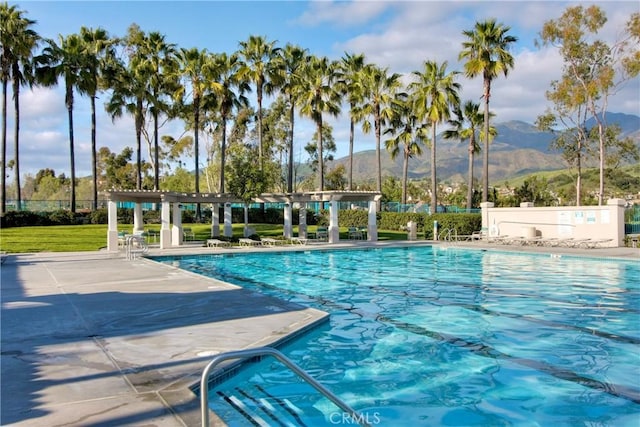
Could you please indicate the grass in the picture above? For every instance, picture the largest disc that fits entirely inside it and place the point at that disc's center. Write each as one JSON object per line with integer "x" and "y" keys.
{"x": 74, "y": 238}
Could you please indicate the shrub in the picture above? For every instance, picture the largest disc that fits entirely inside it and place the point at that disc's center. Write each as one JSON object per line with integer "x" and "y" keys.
{"x": 63, "y": 217}
{"x": 99, "y": 216}
{"x": 459, "y": 223}
{"x": 24, "y": 218}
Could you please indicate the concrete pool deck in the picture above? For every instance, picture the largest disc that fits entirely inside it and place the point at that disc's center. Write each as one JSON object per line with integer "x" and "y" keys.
{"x": 92, "y": 339}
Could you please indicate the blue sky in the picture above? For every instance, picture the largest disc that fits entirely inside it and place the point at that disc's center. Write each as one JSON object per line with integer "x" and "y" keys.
{"x": 400, "y": 35}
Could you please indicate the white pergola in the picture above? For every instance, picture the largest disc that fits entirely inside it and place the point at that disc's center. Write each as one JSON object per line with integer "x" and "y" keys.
{"x": 171, "y": 233}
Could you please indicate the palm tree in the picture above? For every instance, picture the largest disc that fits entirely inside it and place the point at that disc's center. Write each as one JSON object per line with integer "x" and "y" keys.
{"x": 98, "y": 49}
{"x": 259, "y": 67}
{"x": 467, "y": 122}
{"x": 17, "y": 43}
{"x": 225, "y": 73}
{"x": 292, "y": 61}
{"x": 195, "y": 64}
{"x": 407, "y": 134}
{"x": 160, "y": 58}
{"x": 129, "y": 90}
{"x": 434, "y": 93}
{"x": 486, "y": 52}
{"x": 64, "y": 59}
{"x": 379, "y": 89}
{"x": 349, "y": 78}
{"x": 319, "y": 95}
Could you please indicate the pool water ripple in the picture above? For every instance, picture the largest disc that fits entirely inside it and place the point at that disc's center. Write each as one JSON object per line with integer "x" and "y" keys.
{"x": 426, "y": 336}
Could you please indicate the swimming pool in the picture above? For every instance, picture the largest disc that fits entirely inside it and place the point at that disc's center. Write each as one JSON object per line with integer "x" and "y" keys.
{"x": 445, "y": 336}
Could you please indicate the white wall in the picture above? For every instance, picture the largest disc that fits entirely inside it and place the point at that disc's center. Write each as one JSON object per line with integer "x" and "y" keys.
{"x": 595, "y": 222}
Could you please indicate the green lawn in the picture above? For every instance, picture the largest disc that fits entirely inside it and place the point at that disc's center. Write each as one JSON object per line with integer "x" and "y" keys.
{"x": 71, "y": 238}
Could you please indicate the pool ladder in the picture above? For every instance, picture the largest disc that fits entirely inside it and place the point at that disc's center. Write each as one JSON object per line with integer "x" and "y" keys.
{"x": 268, "y": 351}
{"x": 135, "y": 246}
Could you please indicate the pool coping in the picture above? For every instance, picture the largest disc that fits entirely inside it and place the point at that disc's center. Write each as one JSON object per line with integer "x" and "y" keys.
{"x": 137, "y": 372}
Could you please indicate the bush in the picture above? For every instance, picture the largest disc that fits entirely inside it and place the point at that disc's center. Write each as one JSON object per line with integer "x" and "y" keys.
{"x": 24, "y": 218}
{"x": 460, "y": 223}
{"x": 99, "y": 216}
{"x": 63, "y": 217}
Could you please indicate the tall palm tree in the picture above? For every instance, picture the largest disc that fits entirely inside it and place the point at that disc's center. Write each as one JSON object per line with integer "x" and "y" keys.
{"x": 17, "y": 44}
{"x": 228, "y": 90}
{"x": 407, "y": 135}
{"x": 195, "y": 66}
{"x": 349, "y": 77}
{"x": 259, "y": 67}
{"x": 486, "y": 52}
{"x": 66, "y": 60}
{"x": 292, "y": 61}
{"x": 465, "y": 126}
{"x": 379, "y": 89}
{"x": 98, "y": 51}
{"x": 160, "y": 57}
{"x": 434, "y": 93}
{"x": 129, "y": 89}
{"x": 319, "y": 95}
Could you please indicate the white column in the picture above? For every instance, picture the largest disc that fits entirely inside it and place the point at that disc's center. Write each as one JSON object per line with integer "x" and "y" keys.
{"x": 485, "y": 206}
{"x": 138, "y": 221}
{"x": 228, "y": 228}
{"x": 112, "y": 234}
{"x": 288, "y": 221}
{"x": 176, "y": 230}
{"x": 372, "y": 225}
{"x": 334, "y": 230}
{"x": 165, "y": 224}
{"x": 215, "y": 219}
{"x": 302, "y": 222}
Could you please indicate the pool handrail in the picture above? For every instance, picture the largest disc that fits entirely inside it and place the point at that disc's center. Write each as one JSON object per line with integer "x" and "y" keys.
{"x": 269, "y": 351}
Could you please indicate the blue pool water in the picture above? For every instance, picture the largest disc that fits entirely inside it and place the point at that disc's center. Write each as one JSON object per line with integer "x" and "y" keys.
{"x": 432, "y": 336}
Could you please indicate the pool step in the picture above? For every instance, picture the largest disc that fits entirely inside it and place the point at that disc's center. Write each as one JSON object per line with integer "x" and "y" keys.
{"x": 260, "y": 407}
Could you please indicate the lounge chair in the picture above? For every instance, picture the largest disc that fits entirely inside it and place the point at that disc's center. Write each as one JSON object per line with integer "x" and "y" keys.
{"x": 299, "y": 240}
{"x": 355, "y": 234}
{"x": 216, "y": 243}
{"x": 187, "y": 234}
{"x": 249, "y": 242}
{"x": 270, "y": 241}
{"x": 592, "y": 243}
{"x": 322, "y": 233}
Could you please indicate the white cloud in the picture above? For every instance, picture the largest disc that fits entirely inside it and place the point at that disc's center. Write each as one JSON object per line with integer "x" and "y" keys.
{"x": 342, "y": 13}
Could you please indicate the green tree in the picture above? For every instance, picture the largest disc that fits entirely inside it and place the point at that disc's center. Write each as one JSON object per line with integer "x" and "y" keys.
{"x": 246, "y": 181}
{"x": 260, "y": 66}
{"x": 228, "y": 96}
{"x": 319, "y": 95}
{"x": 66, "y": 60}
{"x": 18, "y": 41}
{"x": 293, "y": 60}
{"x": 379, "y": 89}
{"x": 408, "y": 135}
{"x": 593, "y": 69}
{"x": 434, "y": 94}
{"x": 99, "y": 52}
{"x": 349, "y": 72}
{"x": 465, "y": 126}
{"x": 486, "y": 52}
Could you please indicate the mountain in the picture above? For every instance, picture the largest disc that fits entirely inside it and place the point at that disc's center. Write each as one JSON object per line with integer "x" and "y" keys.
{"x": 519, "y": 148}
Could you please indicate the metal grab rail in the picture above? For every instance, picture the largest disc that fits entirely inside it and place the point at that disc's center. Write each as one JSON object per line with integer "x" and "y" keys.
{"x": 445, "y": 234}
{"x": 268, "y": 351}
{"x": 135, "y": 245}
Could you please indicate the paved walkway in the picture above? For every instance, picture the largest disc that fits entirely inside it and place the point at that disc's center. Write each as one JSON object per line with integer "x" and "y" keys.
{"x": 91, "y": 339}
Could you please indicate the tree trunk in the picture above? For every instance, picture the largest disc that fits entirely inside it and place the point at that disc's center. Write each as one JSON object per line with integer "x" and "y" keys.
{"x": 434, "y": 180}
{"x": 72, "y": 156}
{"x": 378, "y": 160}
{"x": 485, "y": 162}
{"x": 94, "y": 160}
{"x": 351, "y": 137}
{"x": 196, "y": 149}
{"x": 223, "y": 153}
{"x": 156, "y": 152}
{"x": 405, "y": 175}
{"x": 472, "y": 145}
{"x": 259, "y": 91}
{"x": 320, "y": 155}
{"x": 290, "y": 174}
{"x": 3, "y": 179}
{"x": 16, "y": 141}
{"x": 138, "y": 124}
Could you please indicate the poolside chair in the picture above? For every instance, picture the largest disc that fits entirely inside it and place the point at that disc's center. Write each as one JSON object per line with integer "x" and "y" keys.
{"x": 355, "y": 234}
{"x": 268, "y": 241}
{"x": 244, "y": 241}
{"x": 299, "y": 240}
{"x": 322, "y": 233}
{"x": 216, "y": 243}
{"x": 187, "y": 234}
